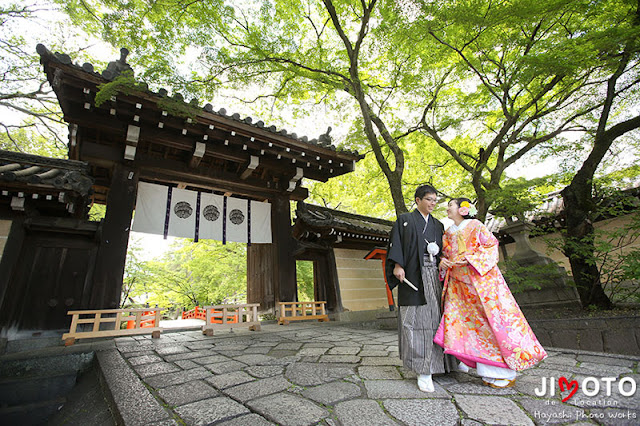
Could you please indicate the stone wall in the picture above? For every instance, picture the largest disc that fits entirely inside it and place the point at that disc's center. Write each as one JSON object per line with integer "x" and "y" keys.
{"x": 362, "y": 285}
{"x": 5, "y": 226}
{"x": 618, "y": 335}
{"x": 615, "y": 335}
{"x": 540, "y": 243}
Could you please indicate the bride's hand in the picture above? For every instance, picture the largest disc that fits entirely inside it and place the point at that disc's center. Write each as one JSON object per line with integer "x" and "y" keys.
{"x": 445, "y": 263}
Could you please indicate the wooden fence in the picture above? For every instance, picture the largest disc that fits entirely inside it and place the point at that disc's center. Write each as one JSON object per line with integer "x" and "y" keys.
{"x": 231, "y": 316}
{"x": 112, "y": 322}
{"x": 297, "y": 311}
{"x": 195, "y": 313}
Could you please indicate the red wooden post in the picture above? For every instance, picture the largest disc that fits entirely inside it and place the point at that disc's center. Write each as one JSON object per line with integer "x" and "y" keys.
{"x": 379, "y": 253}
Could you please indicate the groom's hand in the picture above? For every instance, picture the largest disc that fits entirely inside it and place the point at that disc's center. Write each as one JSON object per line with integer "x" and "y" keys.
{"x": 398, "y": 272}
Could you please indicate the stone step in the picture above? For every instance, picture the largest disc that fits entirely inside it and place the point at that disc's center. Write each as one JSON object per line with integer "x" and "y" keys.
{"x": 35, "y": 387}
{"x": 34, "y": 384}
{"x": 34, "y": 343}
{"x": 43, "y": 362}
{"x": 35, "y": 413}
{"x": 86, "y": 404}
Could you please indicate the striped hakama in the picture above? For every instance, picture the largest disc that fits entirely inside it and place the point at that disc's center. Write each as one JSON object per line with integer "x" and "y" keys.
{"x": 417, "y": 325}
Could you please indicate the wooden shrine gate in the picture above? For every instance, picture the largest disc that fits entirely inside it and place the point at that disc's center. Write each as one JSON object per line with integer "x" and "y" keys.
{"x": 144, "y": 136}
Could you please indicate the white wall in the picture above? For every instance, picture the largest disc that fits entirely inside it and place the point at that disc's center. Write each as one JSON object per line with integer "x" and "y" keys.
{"x": 362, "y": 285}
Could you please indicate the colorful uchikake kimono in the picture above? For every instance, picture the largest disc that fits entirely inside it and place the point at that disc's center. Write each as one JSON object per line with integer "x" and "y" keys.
{"x": 482, "y": 323}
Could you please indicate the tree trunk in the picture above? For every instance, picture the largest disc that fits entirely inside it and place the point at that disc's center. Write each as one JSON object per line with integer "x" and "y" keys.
{"x": 395, "y": 187}
{"x": 354, "y": 88}
{"x": 394, "y": 177}
{"x": 579, "y": 243}
{"x": 482, "y": 203}
{"x": 579, "y": 205}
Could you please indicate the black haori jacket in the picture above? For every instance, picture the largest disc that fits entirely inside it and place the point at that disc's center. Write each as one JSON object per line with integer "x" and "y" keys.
{"x": 407, "y": 247}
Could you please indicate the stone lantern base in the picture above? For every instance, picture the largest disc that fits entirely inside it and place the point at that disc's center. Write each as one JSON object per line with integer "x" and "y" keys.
{"x": 556, "y": 287}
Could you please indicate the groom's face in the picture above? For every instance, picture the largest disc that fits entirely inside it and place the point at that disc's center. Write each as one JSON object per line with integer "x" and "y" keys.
{"x": 427, "y": 203}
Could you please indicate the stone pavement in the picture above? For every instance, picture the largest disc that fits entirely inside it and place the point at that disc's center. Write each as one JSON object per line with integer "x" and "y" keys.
{"x": 333, "y": 374}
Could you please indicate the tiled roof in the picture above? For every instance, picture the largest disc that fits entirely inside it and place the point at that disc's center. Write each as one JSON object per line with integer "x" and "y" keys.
{"x": 34, "y": 171}
{"x": 322, "y": 217}
{"x": 551, "y": 211}
{"x": 116, "y": 67}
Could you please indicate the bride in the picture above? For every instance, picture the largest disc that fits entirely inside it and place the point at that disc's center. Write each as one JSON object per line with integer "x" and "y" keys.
{"x": 482, "y": 325}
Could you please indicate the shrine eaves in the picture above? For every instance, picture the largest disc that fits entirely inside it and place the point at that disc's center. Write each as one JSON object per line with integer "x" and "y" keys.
{"x": 173, "y": 142}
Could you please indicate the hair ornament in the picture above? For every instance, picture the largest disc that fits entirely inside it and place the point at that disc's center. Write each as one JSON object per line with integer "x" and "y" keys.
{"x": 466, "y": 208}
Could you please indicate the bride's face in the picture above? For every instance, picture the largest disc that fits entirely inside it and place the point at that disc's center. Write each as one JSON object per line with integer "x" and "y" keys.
{"x": 452, "y": 210}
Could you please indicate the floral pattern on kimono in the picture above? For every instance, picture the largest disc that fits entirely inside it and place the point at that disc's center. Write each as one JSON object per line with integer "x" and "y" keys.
{"x": 482, "y": 321}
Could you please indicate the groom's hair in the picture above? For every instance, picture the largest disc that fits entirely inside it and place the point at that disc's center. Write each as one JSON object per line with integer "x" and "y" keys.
{"x": 423, "y": 190}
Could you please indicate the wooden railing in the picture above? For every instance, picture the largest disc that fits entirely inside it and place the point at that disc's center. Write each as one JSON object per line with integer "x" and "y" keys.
{"x": 196, "y": 313}
{"x": 112, "y": 322}
{"x": 297, "y": 311}
{"x": 231, "y": 316}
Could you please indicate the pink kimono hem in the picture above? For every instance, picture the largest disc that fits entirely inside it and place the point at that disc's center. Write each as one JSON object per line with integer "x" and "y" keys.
{"x": 468, "y": 360}
{"x": 471, "y": 360}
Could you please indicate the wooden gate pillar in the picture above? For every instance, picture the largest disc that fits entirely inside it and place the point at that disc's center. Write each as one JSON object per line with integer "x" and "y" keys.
{"x": 271, "y": 268}
{"x": 114, "y": 239}
{"x": 331, "y": 283}
{"x": 285, "y": 273}
{"x": 260, "y": 275}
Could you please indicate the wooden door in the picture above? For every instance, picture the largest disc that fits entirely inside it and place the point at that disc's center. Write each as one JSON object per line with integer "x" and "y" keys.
{"x": 51, "y": 276}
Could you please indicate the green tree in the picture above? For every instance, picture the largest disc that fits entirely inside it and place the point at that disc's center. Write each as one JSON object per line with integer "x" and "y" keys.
{"x": 523, "y": 74}
{"x": 366, "y": 191}
{"x": 190, "y": 274}
{"x": 489, "y": 82}
{"x": 352, "y": 57}
{"x": 31, "y": 120}
{"x": 520, "y": 197}
{"x": 134, "y": 273}
{"x": 541, "y": 69}
{"x": 614, "y": 120}
{"x": 304, "y": 279}
{"x": 22, "y": 138}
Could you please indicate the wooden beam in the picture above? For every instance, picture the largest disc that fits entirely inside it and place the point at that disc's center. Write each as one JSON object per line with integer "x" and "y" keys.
{"x": 223, "y": 182}
{"x": 101, "y": 155}
{"x": 198, "y": 153}
{"x": 294, "y": 181}
{"x": 284, "y": 278}
{"x": 253, "y": 163}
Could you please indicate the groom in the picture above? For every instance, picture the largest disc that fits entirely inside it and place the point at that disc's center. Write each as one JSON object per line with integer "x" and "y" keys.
{"x": 412, "y": 259}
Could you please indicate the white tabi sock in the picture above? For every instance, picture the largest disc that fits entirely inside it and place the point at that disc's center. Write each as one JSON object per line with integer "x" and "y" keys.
{"x": 425, "y": 384}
